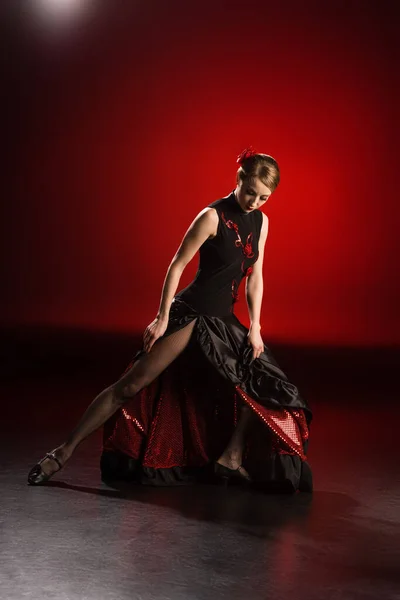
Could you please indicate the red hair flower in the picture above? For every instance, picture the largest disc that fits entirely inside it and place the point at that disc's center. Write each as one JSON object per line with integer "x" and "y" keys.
{"x": 246, "y": 153}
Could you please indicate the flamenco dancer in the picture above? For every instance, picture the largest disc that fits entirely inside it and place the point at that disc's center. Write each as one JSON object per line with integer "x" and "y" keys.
{"x": 204, "y": 399}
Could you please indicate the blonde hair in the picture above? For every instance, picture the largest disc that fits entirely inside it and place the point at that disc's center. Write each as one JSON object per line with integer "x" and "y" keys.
{"x": 262, "y": 166}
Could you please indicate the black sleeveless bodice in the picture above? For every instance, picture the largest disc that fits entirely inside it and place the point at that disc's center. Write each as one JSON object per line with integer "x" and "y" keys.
{"x": 225, "y": 259}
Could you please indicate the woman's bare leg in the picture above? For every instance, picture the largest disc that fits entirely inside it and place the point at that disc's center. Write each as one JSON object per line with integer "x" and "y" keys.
{"x": 233, "y": 454}
{"x": 142, "y": 373}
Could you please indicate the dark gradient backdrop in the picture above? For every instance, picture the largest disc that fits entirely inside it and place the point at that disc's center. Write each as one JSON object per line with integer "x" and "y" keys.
{"x": 124, "y": 121}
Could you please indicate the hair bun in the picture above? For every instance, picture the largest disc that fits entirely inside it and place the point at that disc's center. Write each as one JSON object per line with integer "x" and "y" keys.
{"x": 246, "y": 153}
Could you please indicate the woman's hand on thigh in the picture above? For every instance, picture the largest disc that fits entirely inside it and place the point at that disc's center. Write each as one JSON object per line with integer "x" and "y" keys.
{"x": 153, "y": 331}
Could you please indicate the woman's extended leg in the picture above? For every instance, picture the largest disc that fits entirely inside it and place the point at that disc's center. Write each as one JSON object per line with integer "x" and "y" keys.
{"x": 142, "y": 373}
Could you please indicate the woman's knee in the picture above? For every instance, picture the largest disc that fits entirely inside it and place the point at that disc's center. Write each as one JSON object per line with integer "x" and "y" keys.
{"x": 124, "y": 390}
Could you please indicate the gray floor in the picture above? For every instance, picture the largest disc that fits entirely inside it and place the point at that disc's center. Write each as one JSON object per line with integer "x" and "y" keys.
{"x": 77, "y": 538}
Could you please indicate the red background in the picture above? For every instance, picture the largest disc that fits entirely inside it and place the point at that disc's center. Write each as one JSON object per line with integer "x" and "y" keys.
{"x": 127, "y": 121}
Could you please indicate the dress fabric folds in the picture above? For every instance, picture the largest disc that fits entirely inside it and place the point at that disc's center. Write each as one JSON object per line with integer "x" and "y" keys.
{"x": 173, "y": 429}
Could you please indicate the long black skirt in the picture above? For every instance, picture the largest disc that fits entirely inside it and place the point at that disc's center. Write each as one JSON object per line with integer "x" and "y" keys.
{"x": 171, "y": 431}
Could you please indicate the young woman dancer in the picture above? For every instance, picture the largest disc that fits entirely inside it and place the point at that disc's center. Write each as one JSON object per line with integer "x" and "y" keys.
{"x": 204, "y": 391}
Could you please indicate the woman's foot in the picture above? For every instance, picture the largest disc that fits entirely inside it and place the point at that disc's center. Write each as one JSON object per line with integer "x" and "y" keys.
{"x": 49, "y": 465}
{"x": 231, "y": 462}
{"x": 230, "y": 468}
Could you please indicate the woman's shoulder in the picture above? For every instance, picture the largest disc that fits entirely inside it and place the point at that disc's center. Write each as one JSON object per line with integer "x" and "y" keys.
{"x": 207, "y": 217}
{"x": 264, "y": 223}
{"x": 217, "y": 204}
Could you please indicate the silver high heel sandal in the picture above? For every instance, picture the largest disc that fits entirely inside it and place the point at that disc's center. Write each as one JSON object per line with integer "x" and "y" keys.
{"x": 37, "y": 476}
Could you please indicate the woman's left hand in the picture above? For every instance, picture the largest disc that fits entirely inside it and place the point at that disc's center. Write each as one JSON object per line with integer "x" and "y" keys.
{"x": 254, "y": 339}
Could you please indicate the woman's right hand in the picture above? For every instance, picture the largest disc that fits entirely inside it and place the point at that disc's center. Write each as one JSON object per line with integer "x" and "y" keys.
{"x": 153, "y": 331}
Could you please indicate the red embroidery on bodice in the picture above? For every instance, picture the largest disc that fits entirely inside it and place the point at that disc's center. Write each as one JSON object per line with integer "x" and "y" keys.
{"x": 247, "y": 250}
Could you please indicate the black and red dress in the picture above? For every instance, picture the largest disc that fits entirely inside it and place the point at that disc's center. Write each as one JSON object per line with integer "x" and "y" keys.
{"x": 174, "y": 428}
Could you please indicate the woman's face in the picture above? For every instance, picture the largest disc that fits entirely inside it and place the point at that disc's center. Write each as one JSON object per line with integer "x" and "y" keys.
{"x": 252, "y": 194}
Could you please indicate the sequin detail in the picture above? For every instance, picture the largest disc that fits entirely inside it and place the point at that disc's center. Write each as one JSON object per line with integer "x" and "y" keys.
{"x": 133, "y": 419}
{"x": 282, "y": 422}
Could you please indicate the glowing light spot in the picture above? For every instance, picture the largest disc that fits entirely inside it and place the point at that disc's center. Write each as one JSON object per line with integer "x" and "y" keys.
{"x": 57, "y": 12}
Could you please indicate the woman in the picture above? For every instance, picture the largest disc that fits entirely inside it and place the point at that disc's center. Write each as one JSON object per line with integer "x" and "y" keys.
{"x": 204, "y": 395}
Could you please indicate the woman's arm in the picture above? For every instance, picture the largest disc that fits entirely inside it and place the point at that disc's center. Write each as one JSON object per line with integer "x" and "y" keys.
{"x": 254, "y": 282}
{"x": 203, "y": 226}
